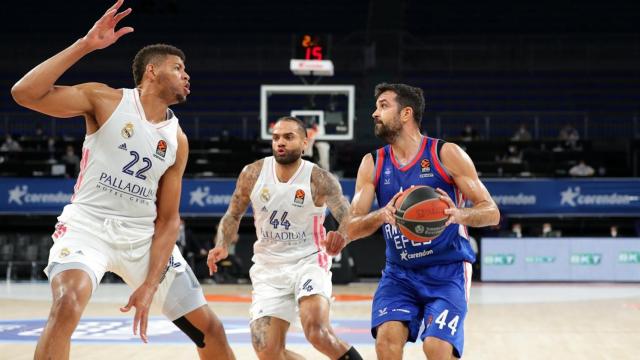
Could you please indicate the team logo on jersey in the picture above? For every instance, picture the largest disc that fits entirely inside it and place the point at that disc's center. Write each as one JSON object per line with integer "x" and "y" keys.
{"x": 127, "y": 131}
{"x": 387, "y": 174}
{"x": 161, "y": 149}
{"x": 299, "y": 198}
{"x": 425, "y": 164}
{"x": 64, "y": 253}
{"x": 265, "y": 196}
{"x": 425, "y": 168}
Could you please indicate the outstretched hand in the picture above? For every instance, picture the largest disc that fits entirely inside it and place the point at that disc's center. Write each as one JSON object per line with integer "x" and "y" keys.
{"x": 216, "y": 254}
{"x": 103, "y": 32}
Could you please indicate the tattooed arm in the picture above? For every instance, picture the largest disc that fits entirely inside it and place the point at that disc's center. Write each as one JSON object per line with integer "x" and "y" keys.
{"x": 326, "y": 189}
{"x": 228, "y": 227}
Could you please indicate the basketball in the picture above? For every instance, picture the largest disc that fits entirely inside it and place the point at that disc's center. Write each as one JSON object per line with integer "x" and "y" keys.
{"x": 420, "y": 213}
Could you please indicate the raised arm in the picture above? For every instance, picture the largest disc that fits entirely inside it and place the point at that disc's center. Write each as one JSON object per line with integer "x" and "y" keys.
{"x": 37, "y": 90}
{"x": 484, "y": 211}
{"x": 230, "y": 222}
{"x": 167, "y": 225}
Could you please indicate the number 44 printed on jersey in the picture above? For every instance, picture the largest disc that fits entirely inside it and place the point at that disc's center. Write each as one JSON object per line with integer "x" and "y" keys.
{"x": 273, "y": 220}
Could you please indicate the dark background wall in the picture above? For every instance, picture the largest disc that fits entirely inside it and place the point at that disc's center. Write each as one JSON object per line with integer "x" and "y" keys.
{"x": 492, "y": 64}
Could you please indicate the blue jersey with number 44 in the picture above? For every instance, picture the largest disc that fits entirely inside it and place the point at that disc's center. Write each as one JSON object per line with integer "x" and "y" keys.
{"x": 425, "y": 168}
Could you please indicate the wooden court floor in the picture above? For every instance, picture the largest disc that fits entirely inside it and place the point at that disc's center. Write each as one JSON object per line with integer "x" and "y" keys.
{"x": 505, "y": 321}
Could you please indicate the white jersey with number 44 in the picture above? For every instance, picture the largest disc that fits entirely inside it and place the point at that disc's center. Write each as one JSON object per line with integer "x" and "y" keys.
{"x": 288, "y": 224}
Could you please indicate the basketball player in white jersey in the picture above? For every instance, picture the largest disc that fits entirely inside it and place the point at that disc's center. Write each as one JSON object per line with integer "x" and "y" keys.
{"x": 123, "y": 216}
{"x": 291, "y": 271}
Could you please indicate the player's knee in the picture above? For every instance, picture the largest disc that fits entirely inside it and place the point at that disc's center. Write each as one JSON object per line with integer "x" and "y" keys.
{"x": 316, "y": 334}
{"x": 437, "y": 349}
{"x": 388, "y": 347}
{"x": 67, "y": 307}
{"x": 214, "y": 329}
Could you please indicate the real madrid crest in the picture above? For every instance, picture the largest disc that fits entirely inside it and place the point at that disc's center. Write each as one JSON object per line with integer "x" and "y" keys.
{"x": 264, "y": 194}
{"x": 127, "y": 130}
{"x": 64, "y": 253}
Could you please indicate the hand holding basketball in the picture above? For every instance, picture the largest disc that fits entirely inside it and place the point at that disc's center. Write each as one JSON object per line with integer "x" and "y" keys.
{"x": 389, "y": 211}
{"x": 455, "y": 214}
{"x": 103, "y": 33}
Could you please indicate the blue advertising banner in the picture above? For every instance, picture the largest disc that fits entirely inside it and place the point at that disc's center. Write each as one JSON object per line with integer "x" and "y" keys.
{"x": 544, "y": 197}
{"x": 210, "y": 197}
{"x": 34, "y": 196}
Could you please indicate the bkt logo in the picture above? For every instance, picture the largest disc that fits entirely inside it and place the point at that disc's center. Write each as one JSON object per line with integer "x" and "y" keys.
{"x": 629, "y": 257}
{"x": 20, "y": 195}
{"x": 500, "y": 259}
{"x": 586, "y": 259}
{"x": 540, "y": 259}
{"x": 572, "y": 197}
{"x": 202, "y": 197}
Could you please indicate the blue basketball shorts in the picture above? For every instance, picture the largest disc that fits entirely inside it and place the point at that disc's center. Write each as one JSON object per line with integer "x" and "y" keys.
{"x": 435, "y": 296}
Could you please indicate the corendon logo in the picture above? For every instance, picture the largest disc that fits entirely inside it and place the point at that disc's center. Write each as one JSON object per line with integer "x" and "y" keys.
{"x": 20, "y": 195}
{"x": 201, "y": 197}
{"x": 572, "y": 197}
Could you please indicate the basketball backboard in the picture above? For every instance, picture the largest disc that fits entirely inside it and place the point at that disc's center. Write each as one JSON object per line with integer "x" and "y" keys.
{"x": 330, "y": 109}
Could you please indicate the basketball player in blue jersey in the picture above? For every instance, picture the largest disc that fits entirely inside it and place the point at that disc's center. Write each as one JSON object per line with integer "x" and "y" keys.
{"x": 290, "y": 275}
{"x": 123, "y": 216}
{"x": 422, "y": 282}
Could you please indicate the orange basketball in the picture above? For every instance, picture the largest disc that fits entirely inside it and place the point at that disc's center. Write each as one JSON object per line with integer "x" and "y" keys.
{"x": 420, "y": 213}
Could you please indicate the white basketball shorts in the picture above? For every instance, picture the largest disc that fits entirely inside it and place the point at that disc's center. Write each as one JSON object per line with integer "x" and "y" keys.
{"x": 277, "y": 289}
{"x": 96, "y": 247}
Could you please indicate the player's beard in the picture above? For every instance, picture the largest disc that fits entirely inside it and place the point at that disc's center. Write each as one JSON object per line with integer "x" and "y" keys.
{"x": 172, "y": 91}
{"x": 180, "y": 98}
{"x": 289, "y": 157}
{"x": 388, "y": 132}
